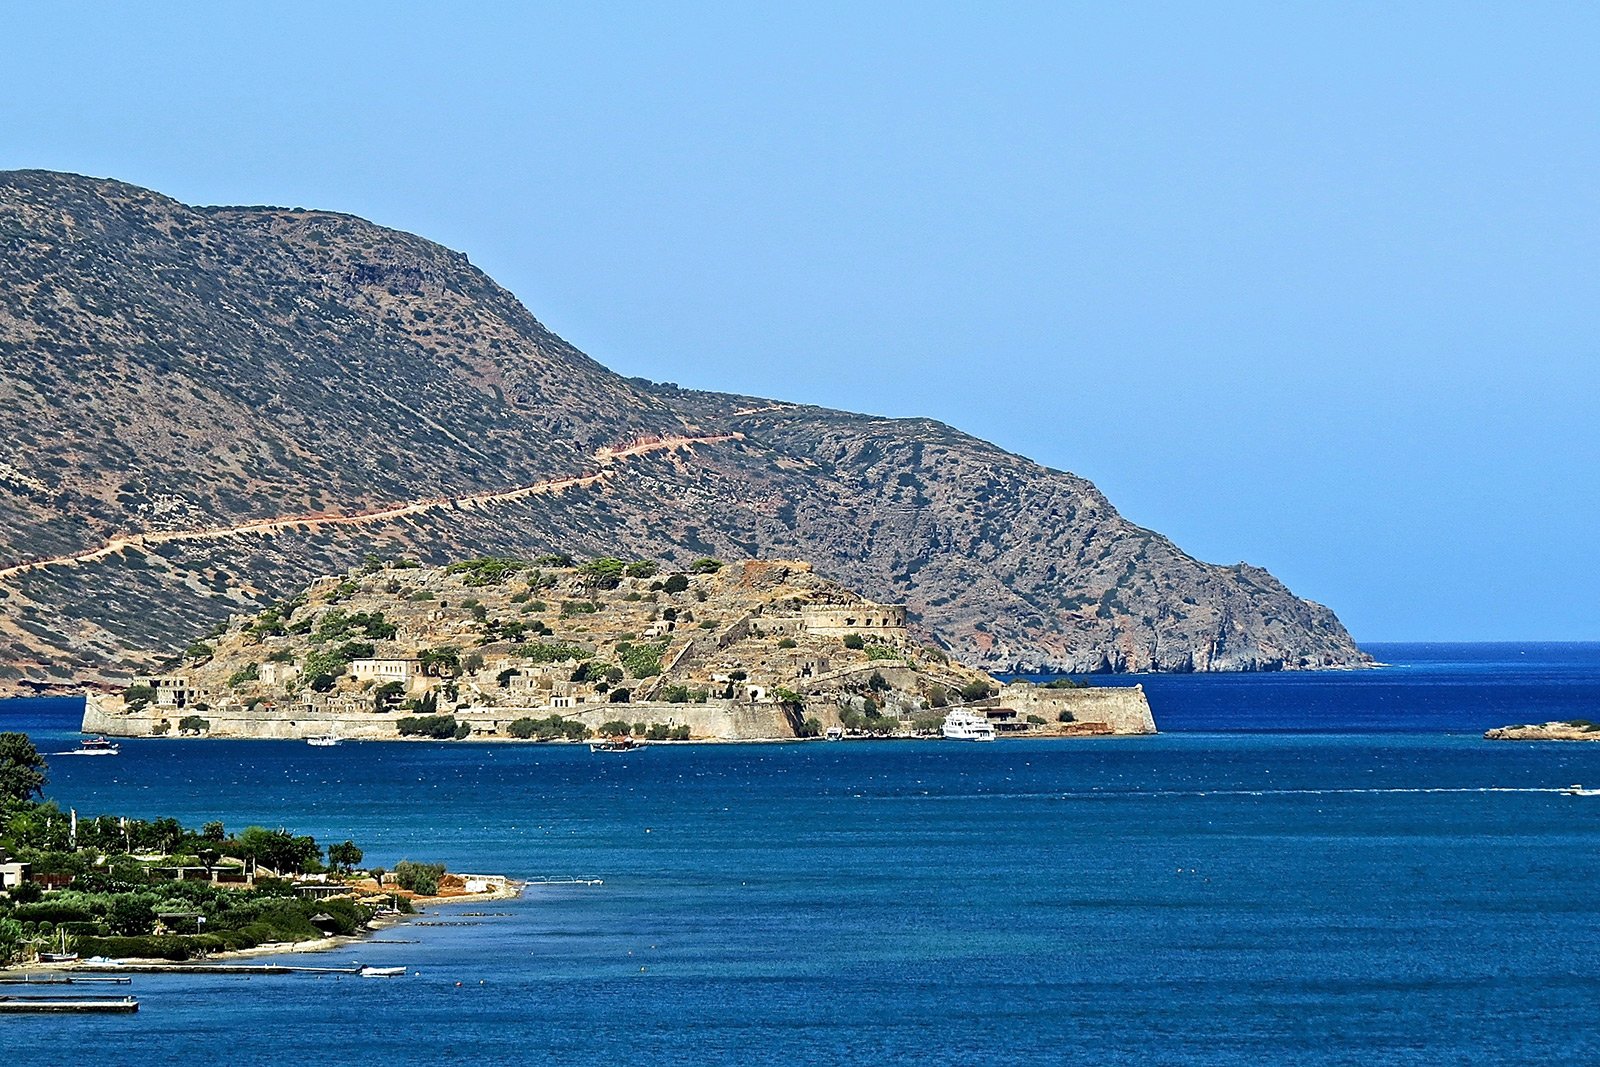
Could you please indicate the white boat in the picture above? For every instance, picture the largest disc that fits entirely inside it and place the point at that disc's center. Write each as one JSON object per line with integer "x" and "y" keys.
{"x": 616, "y": 744}
{"x": 60, "y": 955}
{"x": 382, "y": 972}
{"x": 1576, "y": 790}
{"x": 323, "y": 740}
{"x": 835, "y": 733}
{"x": 962, "y": 725}
{"x": 94, "y": 746}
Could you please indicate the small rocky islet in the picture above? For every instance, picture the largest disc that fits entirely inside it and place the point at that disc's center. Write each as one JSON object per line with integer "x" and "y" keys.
{"x": 1563, "y": 730}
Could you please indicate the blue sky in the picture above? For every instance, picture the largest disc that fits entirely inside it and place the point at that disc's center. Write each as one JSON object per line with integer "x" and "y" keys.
{"x": 1307, "y": 285}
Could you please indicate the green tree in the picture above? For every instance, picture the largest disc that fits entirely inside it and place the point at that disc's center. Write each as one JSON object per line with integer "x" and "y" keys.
{"x": 138, "y": 696}
{"x": 675, "y": 583}
{"x": 278, "y": 849}
{"x": 603, "y": 573}
{"x": 446, "y": 659}
{"x": 22, "y": 769}
{"x": 644, "y": 568}
{"x": 854, "y": 641}
{"x": 439, "y": 727}
{"x": 344, "y": 856}
{"x": 387, "y": 695}
{"x": 131, "y": 916}
{"x": 11, "y": 940}
{"x": 976, "y": 690}
{"x": 706, "y": 566}
{"x": 420, "y": 878}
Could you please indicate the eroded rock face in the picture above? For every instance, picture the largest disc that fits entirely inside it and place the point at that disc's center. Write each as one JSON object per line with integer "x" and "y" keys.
{"x": 169, "y": 368}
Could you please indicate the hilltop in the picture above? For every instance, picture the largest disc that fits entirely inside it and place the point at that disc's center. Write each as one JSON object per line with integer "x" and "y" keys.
{"x": 204, "y": 408}
{"x": 508, "y": 648}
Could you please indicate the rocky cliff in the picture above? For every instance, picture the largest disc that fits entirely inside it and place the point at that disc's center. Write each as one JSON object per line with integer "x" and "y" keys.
{"x": 202, "y": 408}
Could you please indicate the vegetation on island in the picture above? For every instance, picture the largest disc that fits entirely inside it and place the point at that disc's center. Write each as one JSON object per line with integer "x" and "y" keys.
{"x": 548, "y": 649}
{"x": 113, "y": 886}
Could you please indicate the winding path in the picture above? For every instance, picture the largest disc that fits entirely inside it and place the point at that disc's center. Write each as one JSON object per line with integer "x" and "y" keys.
{"x": 264, "y": 527}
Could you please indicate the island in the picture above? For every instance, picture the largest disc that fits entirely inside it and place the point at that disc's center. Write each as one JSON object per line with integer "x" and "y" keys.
{"x": 551, "y": 648}
{"x": 1568, "y": 730}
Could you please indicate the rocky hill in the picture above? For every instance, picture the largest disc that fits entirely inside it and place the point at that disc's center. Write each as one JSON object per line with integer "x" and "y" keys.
{"x": 543, "y": 649}
{"x": 203, "y": 408}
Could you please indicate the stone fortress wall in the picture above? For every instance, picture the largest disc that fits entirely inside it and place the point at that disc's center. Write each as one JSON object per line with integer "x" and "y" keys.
{"x": 1124, "y": 709}
{"x": 865, "y": 618}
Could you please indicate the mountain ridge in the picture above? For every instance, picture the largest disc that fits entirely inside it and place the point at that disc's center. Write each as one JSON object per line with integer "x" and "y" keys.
{"x": 172, "y": 368}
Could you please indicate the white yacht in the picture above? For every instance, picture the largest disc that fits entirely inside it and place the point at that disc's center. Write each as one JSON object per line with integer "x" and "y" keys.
{"x": 323, "y": 740}
{"x": 962, "y": 725}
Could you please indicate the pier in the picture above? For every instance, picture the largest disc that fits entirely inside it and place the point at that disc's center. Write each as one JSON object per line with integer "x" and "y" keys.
{"x": 209, "y": 968}
{"x": 80, "y": 1005}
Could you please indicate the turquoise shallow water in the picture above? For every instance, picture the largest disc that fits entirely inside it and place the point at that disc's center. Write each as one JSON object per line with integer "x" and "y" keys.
{"x": 1209, "y": 896}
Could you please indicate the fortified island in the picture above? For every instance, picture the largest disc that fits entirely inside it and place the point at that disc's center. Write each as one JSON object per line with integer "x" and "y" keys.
{"x": 505, "y": 648}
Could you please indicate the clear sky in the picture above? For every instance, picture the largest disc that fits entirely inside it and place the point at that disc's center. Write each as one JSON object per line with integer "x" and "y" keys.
{"x": 1309, "y": 285}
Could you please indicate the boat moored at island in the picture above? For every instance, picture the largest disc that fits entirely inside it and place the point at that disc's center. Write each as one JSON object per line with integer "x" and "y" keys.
{"x": 323, "y": 740}
{"x": 963, "y": 725}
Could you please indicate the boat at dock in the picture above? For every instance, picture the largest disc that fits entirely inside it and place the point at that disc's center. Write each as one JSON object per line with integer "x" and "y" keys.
{"x": 962, "y": 725}
{"x": 323, "y": 740}
{"x": 834, "y": 733}
{"x": 94, "y": 746}
{"x": 60, "y": 955}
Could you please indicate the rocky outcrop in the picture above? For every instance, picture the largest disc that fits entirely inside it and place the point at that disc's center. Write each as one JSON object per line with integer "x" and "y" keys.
{"x": 165, "y": 368}
{"x": 1575, "y": 730}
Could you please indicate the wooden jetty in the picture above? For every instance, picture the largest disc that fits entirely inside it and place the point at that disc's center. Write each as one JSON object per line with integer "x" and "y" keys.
{"x": 69, "y": 1005}
{"x": 63, "y": 979}
{"x": 208, "y": 968}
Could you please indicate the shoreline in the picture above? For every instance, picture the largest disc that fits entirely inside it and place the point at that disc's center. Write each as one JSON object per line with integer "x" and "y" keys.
{"x": 512, "y": 888}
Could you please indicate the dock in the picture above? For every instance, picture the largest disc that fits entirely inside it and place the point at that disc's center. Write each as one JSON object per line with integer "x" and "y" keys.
{"x": 62, "y": 979}
{"x": 19, "y": 1005}
{"x": 208, "y": 968}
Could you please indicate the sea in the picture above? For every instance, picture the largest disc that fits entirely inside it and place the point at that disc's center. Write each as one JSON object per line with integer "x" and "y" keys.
{"x": 1306, "y": 868}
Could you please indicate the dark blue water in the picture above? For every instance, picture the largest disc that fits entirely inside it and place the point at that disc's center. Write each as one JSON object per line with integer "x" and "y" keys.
{"x": 1391, "y": 889}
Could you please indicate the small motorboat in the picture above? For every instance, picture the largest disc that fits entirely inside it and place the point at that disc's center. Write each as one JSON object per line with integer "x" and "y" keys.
{"x": 616, "y": 744}
{"x": 94, "y": 746}
{"x": 323, "y": 740}
{"x": 1576, "y": 790}
{"x": 382, "y": 972}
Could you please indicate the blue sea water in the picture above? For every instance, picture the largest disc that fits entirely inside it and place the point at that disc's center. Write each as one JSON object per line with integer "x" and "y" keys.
{"x": 1321, "y": 868}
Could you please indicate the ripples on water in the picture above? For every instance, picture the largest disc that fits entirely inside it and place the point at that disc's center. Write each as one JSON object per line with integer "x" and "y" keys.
{"x": 1411, "y": 895}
